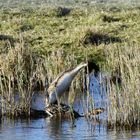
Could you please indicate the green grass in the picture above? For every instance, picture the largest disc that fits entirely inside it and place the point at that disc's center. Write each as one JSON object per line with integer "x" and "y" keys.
{"x": 44, "y": 31}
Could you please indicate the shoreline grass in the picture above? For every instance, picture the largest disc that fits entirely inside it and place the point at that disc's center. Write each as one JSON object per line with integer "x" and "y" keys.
{"x": 123, "y": 107}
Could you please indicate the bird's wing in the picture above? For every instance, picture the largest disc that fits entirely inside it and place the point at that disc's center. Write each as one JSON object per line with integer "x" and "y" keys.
{"x": 53, "y": 85}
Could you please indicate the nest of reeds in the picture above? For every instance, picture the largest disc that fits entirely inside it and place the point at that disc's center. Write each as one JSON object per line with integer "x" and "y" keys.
{"x": 62, "y": 110}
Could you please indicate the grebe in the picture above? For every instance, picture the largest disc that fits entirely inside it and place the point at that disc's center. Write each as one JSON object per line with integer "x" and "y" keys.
{"x": 62, "y": 83}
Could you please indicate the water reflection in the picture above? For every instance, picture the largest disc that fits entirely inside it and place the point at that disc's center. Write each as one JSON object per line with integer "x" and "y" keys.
{"x": 46, "y": 128}
{"x": 50, "y": 128}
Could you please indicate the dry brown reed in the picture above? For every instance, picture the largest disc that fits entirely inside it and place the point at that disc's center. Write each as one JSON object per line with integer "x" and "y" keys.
{"x": 22, "y": 71}
{"x": 123, "y": 106}
{"x": 20, "y": 68}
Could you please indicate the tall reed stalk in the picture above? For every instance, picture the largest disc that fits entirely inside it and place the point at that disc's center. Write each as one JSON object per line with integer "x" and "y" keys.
{"x": 124, "y": 101}
{"x": 19, "y": 68}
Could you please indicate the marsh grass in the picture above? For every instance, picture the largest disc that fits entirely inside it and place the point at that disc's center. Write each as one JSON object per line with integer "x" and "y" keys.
{"x": 20, "y": 68}
{"x": 24, "y": 71}
{"x": 124, "y": 107}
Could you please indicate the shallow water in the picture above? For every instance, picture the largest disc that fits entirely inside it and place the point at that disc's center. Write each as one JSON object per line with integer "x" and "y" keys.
{"x": 49, "y": 128}
{"x": 56, "y": 128}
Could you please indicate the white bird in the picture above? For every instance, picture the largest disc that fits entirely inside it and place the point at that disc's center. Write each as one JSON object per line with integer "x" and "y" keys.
{"x": 58, "y": 87}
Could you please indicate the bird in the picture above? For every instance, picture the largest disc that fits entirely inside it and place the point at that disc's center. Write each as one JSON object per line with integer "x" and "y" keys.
{"x": 96, "y": 111}
{"x": 58, "y": 87}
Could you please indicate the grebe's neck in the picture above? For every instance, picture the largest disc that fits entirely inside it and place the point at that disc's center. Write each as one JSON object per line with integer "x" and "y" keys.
{"x": 78, "y": 68}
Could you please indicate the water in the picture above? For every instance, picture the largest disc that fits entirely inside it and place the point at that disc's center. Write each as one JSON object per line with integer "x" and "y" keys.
{"x": 58, "y": 129}
{"x": 50, "y": 129}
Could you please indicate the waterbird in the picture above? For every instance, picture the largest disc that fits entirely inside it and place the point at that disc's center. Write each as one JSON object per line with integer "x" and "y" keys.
{"x": 96, "y": 111}
{"x": 58, "y": 87}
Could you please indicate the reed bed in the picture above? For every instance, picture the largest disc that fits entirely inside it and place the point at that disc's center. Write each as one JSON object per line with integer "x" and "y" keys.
{"x": 123, "y": 94}
{"x": 23, "y": 71}
{"x": 20, "y": 68}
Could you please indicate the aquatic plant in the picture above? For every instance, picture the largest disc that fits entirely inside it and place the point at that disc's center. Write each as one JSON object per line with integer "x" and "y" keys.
{"x": 123, "y": 93}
